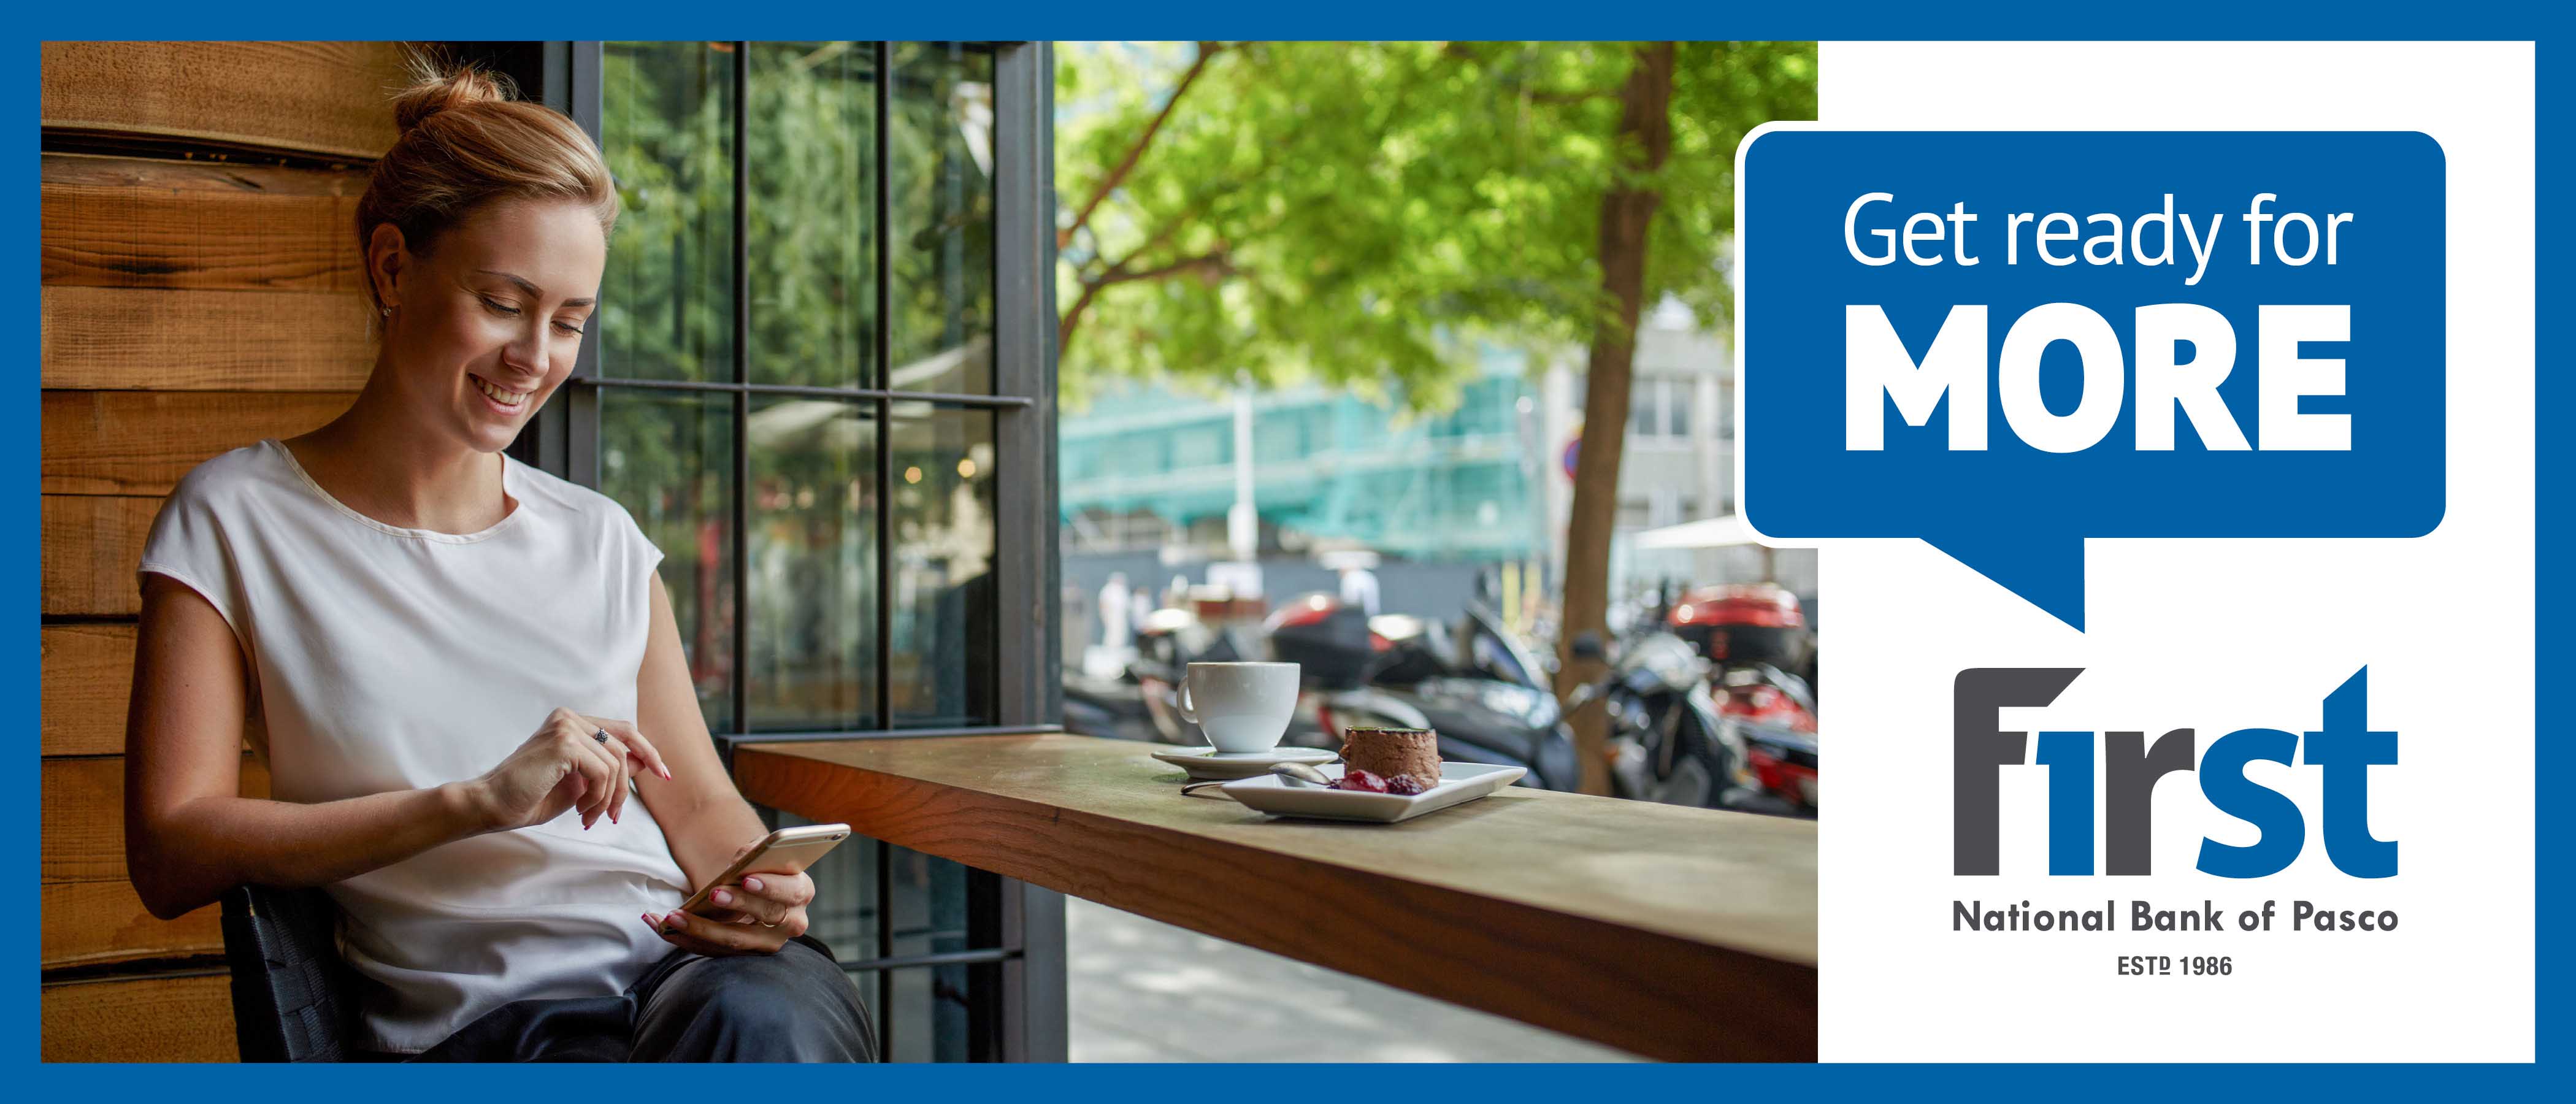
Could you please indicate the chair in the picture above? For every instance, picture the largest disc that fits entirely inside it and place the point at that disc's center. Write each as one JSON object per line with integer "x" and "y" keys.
{"x": 293, "y": 1000}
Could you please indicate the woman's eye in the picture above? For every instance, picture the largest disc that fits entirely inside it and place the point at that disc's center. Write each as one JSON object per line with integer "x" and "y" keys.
{"x": 514, "y": 312}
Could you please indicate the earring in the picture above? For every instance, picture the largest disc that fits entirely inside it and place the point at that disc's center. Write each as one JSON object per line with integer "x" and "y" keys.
{"x": 387, "y": 312}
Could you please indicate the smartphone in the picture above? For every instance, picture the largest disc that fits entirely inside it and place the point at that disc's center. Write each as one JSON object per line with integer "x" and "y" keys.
{"x": 785, "y": 851}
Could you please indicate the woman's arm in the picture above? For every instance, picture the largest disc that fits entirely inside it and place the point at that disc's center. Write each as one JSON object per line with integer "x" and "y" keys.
{"x": 188, "y": 835}
{"x": 705, "y": 819}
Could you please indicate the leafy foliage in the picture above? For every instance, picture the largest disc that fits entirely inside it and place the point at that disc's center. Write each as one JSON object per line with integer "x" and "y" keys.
{"x": 1355, "y": 213}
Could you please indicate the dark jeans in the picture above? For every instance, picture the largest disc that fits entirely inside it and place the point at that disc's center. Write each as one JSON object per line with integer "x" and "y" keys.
{"x": 793, "y": 1006}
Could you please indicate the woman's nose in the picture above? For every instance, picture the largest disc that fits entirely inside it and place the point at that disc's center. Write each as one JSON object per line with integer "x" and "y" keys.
{"x": 527, "y": 352}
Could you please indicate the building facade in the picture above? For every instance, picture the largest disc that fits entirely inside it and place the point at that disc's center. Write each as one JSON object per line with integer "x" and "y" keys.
{"x": 1150, "y": 467}
{"x": 1149, "y": 478}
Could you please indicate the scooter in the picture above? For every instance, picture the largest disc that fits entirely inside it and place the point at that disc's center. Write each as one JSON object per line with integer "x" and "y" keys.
{"x": 1783, "y": 760}
{"x": 1748, "y": 633}
{"x": 1668, "y": 742}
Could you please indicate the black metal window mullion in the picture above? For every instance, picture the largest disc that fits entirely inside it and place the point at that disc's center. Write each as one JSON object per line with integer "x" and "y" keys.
{"x": 882, "y": 345}
{"x": 1023, "y": 281}
{"x": 978, "y": 957}
{"x": 822, "y": 391}
{"x": 739, "y": 671}
{"x": 585, "y": 84}
{"x": 1027, "y": 1020}
{"x": 885, "y": 949}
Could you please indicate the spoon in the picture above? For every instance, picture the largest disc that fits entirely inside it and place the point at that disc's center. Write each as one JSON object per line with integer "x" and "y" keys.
{"x": 1294, "y": 772}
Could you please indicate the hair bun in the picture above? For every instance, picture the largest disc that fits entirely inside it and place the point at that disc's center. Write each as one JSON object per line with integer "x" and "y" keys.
{"x": 434, "y": 90}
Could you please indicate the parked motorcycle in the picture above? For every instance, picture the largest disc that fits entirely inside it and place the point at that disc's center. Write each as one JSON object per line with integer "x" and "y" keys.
{"x": 1783, "y": 759}
{"x": 1752, "y": 635}
{"x": 1667, "y": 740}
{"x": 1138, "y": 704}
{"x": 1111, "y": 707}
{"x": 1473, "y": 682}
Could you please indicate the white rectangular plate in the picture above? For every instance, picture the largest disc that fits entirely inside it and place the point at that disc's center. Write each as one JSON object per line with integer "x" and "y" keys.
{"x": 1458, "y": 782}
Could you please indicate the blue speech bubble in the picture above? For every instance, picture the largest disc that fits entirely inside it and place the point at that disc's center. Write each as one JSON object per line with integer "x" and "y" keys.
{"x": 1829, "y": 341}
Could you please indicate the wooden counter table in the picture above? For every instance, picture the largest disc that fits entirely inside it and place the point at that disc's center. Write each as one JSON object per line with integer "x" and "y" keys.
{"x": 1675, "y": 933}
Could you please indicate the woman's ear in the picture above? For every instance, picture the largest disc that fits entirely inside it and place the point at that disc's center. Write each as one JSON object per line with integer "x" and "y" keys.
{"x": 387, "y": 254}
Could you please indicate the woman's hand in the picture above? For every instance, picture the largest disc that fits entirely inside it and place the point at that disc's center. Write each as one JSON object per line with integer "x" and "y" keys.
{"x": 756, "y": 915}
{"x": 565, "y": 765}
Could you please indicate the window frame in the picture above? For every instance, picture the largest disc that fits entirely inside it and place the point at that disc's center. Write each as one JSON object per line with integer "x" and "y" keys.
{"x": 1021, "y": 926}
{"x": 564, "y": 436}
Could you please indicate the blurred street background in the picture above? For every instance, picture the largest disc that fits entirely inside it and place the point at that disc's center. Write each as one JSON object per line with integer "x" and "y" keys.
{"x": 1410, "y": 363}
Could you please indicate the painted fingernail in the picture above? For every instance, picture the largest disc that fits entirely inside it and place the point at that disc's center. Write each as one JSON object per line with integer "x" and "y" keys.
{"x": 666, "y": 773}
{"x": 722, "y": 896}
{"x": 752, "y": 884}
{"x": 649, "y": 921}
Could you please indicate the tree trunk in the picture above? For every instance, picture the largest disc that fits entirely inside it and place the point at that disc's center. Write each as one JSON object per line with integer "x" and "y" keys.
{"x": 1627, "y": 210}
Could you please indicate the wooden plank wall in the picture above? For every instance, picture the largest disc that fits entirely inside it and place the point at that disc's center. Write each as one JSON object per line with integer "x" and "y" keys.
{"x": 202, "y": 289}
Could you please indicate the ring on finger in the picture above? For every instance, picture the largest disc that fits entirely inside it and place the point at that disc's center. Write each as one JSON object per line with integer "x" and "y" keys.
{"x": 631, "y": 785}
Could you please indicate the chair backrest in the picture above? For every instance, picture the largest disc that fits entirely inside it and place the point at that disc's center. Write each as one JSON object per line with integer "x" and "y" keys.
{"x": 292, "y": 996}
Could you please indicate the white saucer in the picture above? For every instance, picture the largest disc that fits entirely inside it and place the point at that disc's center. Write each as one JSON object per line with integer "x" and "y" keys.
{"x": 1209, "y": 763}
{"x": 1459, "y": 782}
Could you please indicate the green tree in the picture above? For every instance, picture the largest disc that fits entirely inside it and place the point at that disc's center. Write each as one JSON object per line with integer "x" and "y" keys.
{"x": 1356, "y": 213}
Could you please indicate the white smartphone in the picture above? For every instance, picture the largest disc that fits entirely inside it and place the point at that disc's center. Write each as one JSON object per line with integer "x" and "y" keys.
{"x": 785, "y": 851}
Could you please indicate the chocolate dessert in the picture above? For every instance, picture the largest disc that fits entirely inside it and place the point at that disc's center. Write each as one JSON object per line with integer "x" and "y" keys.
{"x": 1392, "y": 760}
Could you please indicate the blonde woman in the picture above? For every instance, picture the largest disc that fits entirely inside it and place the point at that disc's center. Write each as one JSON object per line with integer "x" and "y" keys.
{"x": 479, "y": 727}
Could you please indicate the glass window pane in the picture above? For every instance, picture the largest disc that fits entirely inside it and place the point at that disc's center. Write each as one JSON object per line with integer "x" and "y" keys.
{"x": 944, "y": 624}
{"x": 812, "y": 565}
{"x": 813, "y": 208}
{"x": 941, "y": 213}
{"x": 667, "y": 456}
{"x": 666, "y": 126}
{"x": 1642, "y": 420}
{"x": 931, "y": 1011}
{"x": 1677, "y": 403}
{"x": 930, "y": 901}
{"x": 929, "y": 904}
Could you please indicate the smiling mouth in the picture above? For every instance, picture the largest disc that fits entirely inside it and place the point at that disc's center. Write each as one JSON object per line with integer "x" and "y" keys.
{"x": 505, "y": 398}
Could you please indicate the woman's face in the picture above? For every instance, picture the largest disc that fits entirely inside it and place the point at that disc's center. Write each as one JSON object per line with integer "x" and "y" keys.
{"x": 486, "y": 328}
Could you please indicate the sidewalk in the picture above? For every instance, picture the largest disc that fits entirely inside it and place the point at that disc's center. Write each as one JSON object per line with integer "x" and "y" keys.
{"x": 1143, "y": 991}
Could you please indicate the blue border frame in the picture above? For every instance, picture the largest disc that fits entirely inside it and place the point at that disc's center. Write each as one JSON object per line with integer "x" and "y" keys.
{"x": 1854, "y": 19}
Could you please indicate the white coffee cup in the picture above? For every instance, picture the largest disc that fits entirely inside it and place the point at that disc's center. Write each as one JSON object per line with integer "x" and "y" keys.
{"x": 1242, "y": 707}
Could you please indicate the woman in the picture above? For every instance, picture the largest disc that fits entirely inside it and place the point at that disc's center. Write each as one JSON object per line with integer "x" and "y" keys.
{"x": 478, "y": 722}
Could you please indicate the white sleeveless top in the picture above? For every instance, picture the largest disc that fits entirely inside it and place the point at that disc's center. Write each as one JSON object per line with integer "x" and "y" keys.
{"x": 389, "y": 658}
